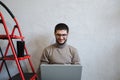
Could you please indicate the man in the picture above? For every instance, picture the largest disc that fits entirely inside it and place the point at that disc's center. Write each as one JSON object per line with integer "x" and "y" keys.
{"x": 60, "y": 52}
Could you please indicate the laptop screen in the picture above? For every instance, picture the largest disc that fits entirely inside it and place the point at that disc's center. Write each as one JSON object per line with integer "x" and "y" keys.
{"x": 60, "y": 72}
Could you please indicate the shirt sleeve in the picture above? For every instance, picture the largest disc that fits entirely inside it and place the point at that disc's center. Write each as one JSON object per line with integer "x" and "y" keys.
{"x": 44, "y": 58}
{"x": 75, "y": 58}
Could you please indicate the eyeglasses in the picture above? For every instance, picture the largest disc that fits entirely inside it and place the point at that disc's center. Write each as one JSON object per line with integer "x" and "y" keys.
{"x": 63, "y": 35}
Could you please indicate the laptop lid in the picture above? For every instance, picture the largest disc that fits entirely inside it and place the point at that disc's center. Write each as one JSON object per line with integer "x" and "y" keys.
{"x": 60, "y": 72}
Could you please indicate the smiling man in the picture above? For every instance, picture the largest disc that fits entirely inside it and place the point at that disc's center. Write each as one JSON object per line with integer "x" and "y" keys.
{"x": 60, "y": 52}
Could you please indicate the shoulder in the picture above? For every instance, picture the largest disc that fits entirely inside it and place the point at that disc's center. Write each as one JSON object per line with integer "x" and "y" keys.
{"x": 72, "y": 47}
{"x": 49, "y": 47}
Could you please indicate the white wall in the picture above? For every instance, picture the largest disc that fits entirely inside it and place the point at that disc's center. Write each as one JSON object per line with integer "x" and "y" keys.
{"x": 94, "y": 31}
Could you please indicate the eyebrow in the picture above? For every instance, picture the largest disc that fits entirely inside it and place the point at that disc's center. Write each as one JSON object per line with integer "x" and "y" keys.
{"x": 61, "y": 34}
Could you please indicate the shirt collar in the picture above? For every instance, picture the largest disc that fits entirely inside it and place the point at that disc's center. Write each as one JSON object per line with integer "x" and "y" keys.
{"x": 60, "y": 46}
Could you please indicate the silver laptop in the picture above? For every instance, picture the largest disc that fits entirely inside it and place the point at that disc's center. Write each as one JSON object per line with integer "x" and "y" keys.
{"x": 60, "y": 72}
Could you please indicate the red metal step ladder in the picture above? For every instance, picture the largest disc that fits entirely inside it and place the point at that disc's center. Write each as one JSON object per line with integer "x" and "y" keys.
{"x": 10, "y": 46}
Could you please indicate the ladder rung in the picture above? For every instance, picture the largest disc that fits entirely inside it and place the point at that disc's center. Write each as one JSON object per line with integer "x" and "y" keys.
{"x": 11, "y": 36}
{"x": 11, "y": 57}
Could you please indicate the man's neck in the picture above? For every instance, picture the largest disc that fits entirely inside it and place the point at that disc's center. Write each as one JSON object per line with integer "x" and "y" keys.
{"x": 60, "y": 45}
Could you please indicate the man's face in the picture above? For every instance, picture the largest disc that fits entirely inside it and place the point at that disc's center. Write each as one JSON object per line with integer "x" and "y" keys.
{"x": 61, "y": 36}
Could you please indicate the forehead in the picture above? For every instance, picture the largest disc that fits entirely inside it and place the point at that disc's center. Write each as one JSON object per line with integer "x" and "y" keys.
{"x": 61, "y": 32}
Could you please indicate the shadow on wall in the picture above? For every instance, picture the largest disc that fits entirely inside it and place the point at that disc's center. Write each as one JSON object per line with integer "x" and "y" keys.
{"x": 35, "y": 47}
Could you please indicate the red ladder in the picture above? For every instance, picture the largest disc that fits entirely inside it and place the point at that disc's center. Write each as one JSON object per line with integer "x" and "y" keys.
{"x": 10, "y": 36}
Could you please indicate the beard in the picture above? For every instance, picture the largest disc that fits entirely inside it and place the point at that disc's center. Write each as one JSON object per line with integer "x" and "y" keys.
{"x": 61, "y": 43}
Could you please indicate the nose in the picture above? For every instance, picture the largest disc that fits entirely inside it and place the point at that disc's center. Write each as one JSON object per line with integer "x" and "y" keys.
{"x": 60, "y": 37}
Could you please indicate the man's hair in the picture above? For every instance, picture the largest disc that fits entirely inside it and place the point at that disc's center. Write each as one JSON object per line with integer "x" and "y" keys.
{"x": 61, "y": 26}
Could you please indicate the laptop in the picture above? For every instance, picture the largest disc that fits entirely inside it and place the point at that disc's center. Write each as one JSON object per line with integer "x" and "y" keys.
{"x": 60, "y": 72}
